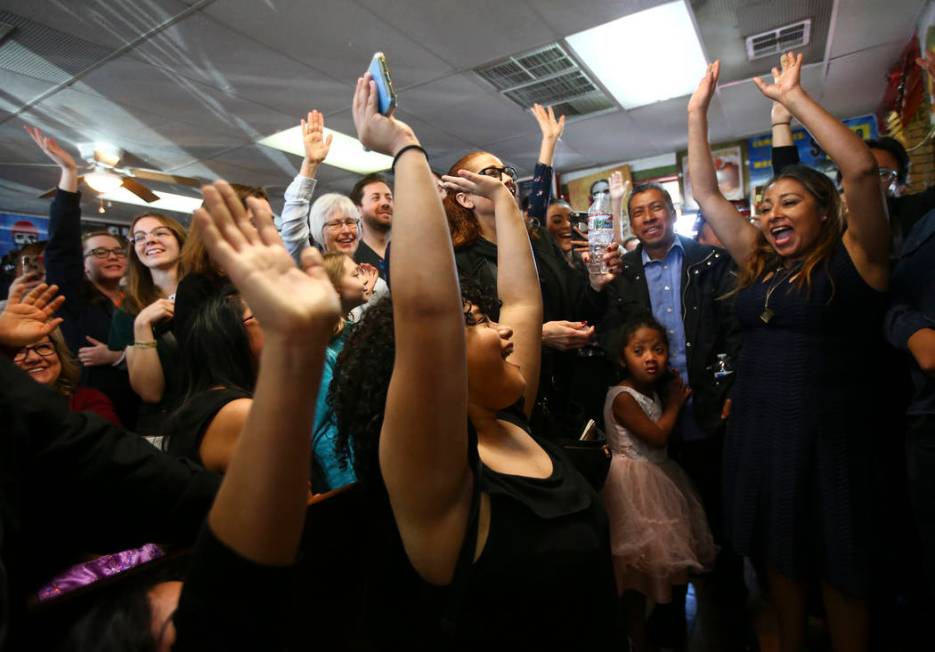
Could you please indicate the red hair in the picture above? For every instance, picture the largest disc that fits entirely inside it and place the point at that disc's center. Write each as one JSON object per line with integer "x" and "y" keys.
{"x": 465, "y": 229}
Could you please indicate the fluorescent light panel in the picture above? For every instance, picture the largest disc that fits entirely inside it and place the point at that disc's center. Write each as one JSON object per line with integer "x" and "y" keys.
{"x": 346, "y": 152}
{"x": 646, "y": 57}
{"x": 167, "y": 201}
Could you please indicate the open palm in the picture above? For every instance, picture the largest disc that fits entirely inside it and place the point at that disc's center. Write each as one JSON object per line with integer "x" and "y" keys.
{"x": 701, "y": 98}
{"x": 286, "y": 300}
{"x": 785, "y": 80}
{"x": 29, "y": 318}
{"x": 316, "y": 144}
{"x": 51, "y": 148}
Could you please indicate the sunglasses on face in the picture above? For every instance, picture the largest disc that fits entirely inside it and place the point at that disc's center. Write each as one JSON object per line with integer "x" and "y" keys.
{"x": 44, "y": 350}
{"x": 497, "y": 173}
{"x": 103, "y": 252}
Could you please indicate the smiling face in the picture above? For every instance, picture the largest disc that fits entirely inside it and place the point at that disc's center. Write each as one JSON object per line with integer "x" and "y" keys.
{"x": 40, "y": 361}
{"x": 154, "y": 243}
{"x": 341, "y": 233}
{"x": 790, "y": 218}
{"x": 108, "y": 269}
{"x": 645, "y": 356}
{"x": 352, "y": 287}
{"x": 558, "y": 221}
{"x": 376, "y": 206}
{"x": 651, "y": 219}
{"x": 494, "y": 383}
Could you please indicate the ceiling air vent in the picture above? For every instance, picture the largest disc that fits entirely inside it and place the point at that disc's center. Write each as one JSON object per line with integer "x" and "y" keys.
{"x": 779, "y": 40}
{"x": 548, "y": 76}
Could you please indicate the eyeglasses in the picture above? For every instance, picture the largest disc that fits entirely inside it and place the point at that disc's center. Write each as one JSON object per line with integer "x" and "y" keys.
{"x": 497, "y": 173}
{"x": 351, "y": 222}
{"x": 44, "y": 350}
{"x": 103, "y": 252}
{"x": 162, "y": 233}
{"x": 888, "y": 173}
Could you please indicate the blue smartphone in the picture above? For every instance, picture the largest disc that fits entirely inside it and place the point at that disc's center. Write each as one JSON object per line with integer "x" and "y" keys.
{"x": 386, "y": 95}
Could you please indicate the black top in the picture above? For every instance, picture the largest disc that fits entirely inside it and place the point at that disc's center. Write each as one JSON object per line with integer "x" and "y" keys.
{"x": 187, "y": 426}
{"x": 806, "y": 407}
{"x": 193, "y": 291}
{"x": 365, "y": 254}
{"x": 87, "y": 312}
{"x": 71, "y": 483}
{"x": 544, "y": 576}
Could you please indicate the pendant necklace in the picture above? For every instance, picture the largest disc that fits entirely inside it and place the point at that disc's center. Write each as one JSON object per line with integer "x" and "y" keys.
{"x": 779, "y": 276}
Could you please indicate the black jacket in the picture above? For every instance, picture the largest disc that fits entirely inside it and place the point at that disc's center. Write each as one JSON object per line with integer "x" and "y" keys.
{"x": 710, "y": 324}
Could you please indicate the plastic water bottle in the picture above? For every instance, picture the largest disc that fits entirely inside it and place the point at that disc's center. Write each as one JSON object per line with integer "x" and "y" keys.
{"x": 600, "y": 232}
{"x": 723, "y": 369}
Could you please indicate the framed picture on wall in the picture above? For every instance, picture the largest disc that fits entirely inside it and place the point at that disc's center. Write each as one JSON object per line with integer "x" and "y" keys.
{"x": 728, "y": 164}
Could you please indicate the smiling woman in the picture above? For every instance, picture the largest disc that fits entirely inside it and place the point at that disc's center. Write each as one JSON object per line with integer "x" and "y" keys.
{"x": 141, "y": 326}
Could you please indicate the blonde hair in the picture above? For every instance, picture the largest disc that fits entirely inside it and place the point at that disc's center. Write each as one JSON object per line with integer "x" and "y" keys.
{"x": 334, "y": 262}
{"x": 141, "y": 291}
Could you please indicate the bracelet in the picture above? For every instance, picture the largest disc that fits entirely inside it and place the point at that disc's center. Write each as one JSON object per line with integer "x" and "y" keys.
{"x": 145, "y": 345}
{"x": 776, "y": 124}
{"x": 406, "y": 149}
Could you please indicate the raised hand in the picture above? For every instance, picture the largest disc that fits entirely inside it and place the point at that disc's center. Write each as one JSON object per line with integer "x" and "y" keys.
{"x": 24, "y": 283}
{"x": 380, "y": 133}
{"x": 618, "y": 187}
{"x": 313, "y": 138}
{"x": 786, "y": 80}
{"x": 701, "y": 98}
{"x": 51, "y": 148}
{"x": 477, "y": 184}
{"x": 550, "y": 127}
{"x": 29, "y": 318}
{"x": 779, "y": 113}
{"x": 157, "y": 311}
{"x": 613, "y": 258}
{"x": 286, "y": 300}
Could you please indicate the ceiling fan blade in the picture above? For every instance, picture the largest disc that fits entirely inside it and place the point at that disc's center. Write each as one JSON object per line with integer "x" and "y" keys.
{"x": 139, "y": 190}
{"x": 154, "y": 175}
{"x": 51, "y": 191}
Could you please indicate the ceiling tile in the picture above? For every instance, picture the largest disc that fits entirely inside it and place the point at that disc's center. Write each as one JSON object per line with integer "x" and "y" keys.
{"x": 861, "y": 24}
{"x": 608, "y": 138}
{"x": 855, "y": 83}
{"x": 337, "y": 37}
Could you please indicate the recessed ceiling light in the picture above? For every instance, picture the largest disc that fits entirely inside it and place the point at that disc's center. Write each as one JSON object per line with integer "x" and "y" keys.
{"x": 646, "y": 57}
{"x": 167, "y": 201}
{"x": 346, "y": 152}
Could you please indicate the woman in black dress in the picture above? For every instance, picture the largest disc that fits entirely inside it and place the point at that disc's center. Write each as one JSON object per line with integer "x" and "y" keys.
{"x": 810, "y": 299}
{"x": 495, "y": 530}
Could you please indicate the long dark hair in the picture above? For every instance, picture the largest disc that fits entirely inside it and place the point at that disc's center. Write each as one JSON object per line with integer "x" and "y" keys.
{"x": 362, "y": 377}
{"x": 764, "y": 258}
{"x": 215, "y": 348}
{"x": 117, "y": 622}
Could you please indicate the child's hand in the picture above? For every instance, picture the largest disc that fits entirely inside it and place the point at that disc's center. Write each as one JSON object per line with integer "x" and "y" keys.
{"x": 676, "y": 391}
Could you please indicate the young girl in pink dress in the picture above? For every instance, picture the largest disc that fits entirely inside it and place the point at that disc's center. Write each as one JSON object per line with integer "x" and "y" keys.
{"x": 659, "y": 533}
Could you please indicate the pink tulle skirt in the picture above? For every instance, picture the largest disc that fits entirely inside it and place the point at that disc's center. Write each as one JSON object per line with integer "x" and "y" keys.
{"x": 659, "y": 534}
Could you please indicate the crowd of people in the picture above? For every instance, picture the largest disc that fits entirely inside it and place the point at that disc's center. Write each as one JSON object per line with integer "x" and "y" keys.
{"x": 418, "y": 363}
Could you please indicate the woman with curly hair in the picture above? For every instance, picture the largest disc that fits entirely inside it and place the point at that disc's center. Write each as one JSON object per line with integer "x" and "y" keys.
{"x": 810, "y": 301}
{"x": 482, "y": 529}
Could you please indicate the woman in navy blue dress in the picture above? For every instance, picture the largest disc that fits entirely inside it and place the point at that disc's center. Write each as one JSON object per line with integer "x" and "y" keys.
{"x": 810, "y": 301}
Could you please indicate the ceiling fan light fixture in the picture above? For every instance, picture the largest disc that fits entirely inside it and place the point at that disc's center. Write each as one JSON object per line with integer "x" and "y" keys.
{"x": 103, "y": 182}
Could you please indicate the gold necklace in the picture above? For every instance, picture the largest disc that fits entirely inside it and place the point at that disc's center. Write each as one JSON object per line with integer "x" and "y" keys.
{"x": 779, "y": 275}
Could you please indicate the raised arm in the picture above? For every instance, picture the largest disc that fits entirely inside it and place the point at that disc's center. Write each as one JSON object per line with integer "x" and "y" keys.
{"x": 294, "y": 224}
{"x": 423, "y": 449}
{"x": 868, "y": 234}
{"x": 260, "y": 509}
{"x": 541, "y": 193}
{"x": 517, "y": 280}
{"x": 738, "y": 235}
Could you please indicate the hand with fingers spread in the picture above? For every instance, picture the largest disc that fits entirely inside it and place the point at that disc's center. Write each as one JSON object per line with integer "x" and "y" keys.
{"x": 701, "y": 98}
{"x": 619, "y": 188}
{"x": 316, "y": 144}
{"x": 23, "y": 283}
{"x": 64, "y": 160}
{"x": 97, "y": 354}
{"x": 378, "y": 132}
{"x": 785, "y": 81}
{"x": 28, "y": 316}
{"x": 286, "y": 300}
{"x": 478, "y": 184}
{"x": 551, "y": 129}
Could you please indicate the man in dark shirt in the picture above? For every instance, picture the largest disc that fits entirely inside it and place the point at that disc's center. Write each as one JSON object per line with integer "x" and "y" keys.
{"x": 374, "y": 200}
